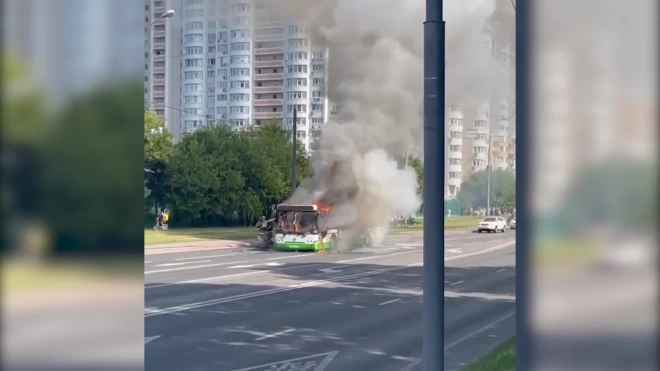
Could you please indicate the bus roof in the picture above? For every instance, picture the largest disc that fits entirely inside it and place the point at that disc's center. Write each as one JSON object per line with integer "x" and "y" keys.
{"x": 296, "y": 207}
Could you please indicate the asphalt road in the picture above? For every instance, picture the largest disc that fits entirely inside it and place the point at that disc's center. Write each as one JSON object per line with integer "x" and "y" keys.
{"x": 362, "y": 310}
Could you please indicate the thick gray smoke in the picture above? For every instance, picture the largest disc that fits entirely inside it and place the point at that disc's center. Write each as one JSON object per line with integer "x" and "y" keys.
{"x": 376, "y": 77}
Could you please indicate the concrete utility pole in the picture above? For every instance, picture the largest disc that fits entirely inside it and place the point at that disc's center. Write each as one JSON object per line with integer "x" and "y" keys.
{"x": 294, "y": 146}
{"x": 434, "y": 171}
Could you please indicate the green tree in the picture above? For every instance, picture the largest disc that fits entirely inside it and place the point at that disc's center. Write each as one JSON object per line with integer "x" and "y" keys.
{"x": 219, "y": 177}
{"x": 474, "y": 190}
{"x": 416, "y": 163}
{"x": 90, "y": 171}
{"x": 158, "y": 148}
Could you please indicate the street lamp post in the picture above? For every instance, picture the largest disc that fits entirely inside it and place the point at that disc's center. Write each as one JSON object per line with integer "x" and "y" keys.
{"x": 434, "y": 171}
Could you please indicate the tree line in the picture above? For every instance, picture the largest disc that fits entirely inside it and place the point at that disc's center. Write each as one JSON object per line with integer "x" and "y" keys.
{"x": 216, "y": 176}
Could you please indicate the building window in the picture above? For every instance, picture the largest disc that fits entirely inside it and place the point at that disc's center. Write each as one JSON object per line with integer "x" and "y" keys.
{"x": 297, "y": 107}
{"x": 455, "y": 148}
{"x": 188, "y": 75}
{"x": 317, "y": 81}
{"x": 298, "y": 43}
{"x": 297, "y": 95}
{"x": 296, "y": 56}
{"x": 317, "y": 120}
{"x": 194, "y": 63}
{"x": 455, "y": 134}
{"x": 298, "y": 68}
{"x": 454, "y": 175}
{"x": 240, "y": 72}
{"x": 296, "y": 30}
{"x": 240, "y": 33}
{"x": 454, "y": 161}
{"x": 296, "y": 82}
{"x": 240, "y": 59}
{"x": 240, "y": 8}
{"x": 240, "y": 97}
{"x": 197, "y": 13}
{"x": 196, "y": 37}
{"x": 194, "y": 26}
{"x": 211, "y": 49}
{"x": 194, "y": 50}
{"x": 317, "y": 107}
{"x": 317, "y": 94}
{"x": 240, "y": 21}
{"x": 193, "y": 87}
{"x": 240, "y": 85}
{"x": 236, "y": 47}
{"x": 317, "y": 55}
{"x": 238, "y": 110}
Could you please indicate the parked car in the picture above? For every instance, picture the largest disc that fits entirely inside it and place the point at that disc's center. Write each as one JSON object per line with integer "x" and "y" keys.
{"x": 492, "y": 224}
{"x": 512, "y": 223}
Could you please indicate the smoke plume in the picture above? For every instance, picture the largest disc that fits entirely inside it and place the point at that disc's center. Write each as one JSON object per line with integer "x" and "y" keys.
{"x": 375, "y": 75}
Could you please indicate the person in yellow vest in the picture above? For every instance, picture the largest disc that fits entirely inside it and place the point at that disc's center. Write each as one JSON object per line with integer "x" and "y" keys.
{"x": 166, "y": 216}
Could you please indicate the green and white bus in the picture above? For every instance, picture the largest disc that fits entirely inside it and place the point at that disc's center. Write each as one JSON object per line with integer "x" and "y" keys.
{"x": 300, "y": 228}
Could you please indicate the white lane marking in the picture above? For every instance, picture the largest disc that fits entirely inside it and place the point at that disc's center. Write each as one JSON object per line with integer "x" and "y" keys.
{"x": 307, "y": 284}
{"x": 374, "y": 256}
{"x": 332, "y": 270}
{"x": 268, "y": 271}
{"x": 327, "y": 358}
{"x": 479, "y": 330}
{"x": 274, "y": 335}
{"x": 175, "y": 264}
{"x": 196, "y": 267}
{"x": 151, "y": 338}
{"x": 205, "y": 257}
{"x": 390, "y": 302}
{"x": 147, "y": 262}
{"x": 455, "y": 250}
{"x": 456, "y": 283}
{"x": 501, "y": 270}
{"x": 273, "y": 264}
{"x": 290, "y": 257}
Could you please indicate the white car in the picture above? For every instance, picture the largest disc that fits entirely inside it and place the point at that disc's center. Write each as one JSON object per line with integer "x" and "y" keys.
{"x": 512, "y": 223}
{"x": 492, "y": 224}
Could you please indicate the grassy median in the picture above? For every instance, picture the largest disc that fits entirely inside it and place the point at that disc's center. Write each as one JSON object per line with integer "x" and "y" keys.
{"x": 152, "y": 237}
{"x": 502, "y": 358}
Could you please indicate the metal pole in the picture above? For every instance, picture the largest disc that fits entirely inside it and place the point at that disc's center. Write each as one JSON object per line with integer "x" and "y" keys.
{"x": 434, "y": 170}
{"x": 294, "y": 133}
{"x": 488, "y": 161}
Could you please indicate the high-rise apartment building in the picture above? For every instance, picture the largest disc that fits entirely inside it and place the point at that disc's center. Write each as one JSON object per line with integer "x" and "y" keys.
{"x": 162, "y": 83}
{"x": 454, "y": 152}
{"x": 244, "y": 65}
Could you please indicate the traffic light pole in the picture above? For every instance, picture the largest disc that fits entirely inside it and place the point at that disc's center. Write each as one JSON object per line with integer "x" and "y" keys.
{"x": 434, "y": 170}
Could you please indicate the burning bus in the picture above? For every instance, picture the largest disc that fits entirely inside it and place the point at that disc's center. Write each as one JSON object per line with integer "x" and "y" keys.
{"x": 302, "y": 227}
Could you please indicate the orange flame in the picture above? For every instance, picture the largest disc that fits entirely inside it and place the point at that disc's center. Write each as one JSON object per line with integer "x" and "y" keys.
{"x": 323, "y": 207}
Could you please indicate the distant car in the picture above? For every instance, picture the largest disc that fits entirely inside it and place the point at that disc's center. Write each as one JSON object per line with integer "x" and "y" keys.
{"x": 492, "y": 224}
{"x": 512, "y": 223}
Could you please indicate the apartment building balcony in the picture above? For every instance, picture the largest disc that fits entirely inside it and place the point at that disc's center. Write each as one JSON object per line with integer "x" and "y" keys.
{"x": 271, "y": 37}
{"x": 455, "y": 141}
{"x": 265, "y": 51}
{"x": 268, "y": 64}
{"x": 480, "y": 143}
{"x": 158, "y": 70}
{"x": 159, "y": 57}
{"x": 480, "y": 156}
{"x": 159, "y": 33}
{"x": 456, "y": 182}
{"x": 455, "y": 154}
{"x": 499, "y": 143}
{"x": 267, "y": 102}
{"x": 453, "y": 168}
{"x": 268, "y": 76}
{"x": 268, "y": 89}
{"x": 158, "y": 94}
{"x": 158, "y": 10}
{"x": 267, "y": 115}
